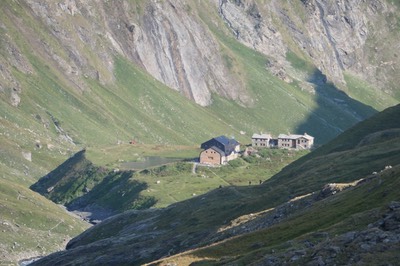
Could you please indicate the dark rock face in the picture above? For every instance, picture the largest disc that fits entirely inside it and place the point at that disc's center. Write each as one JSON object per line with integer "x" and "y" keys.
{"x": 391, "y": 221}
{"x": 350, "y": 248}
{"x": 353, "y": 247}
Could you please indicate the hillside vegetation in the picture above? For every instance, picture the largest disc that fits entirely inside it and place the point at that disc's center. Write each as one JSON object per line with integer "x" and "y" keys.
{"x": 359, "y": 225}
{"x": 31, "y": 225}
{"x": 90, "y": 75}
{"x": 98, "y": 192}
{"x": 288, "y": 219}
{"x": 64, "y": 90}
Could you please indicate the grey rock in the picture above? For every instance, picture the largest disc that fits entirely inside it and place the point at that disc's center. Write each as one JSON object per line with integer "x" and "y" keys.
{"x": 271, "y": 260}
{"x": 348, "y": 237}
{"x": 365, "y": 246}
{"x": 394, "y": 205}
{"x": 15, "y": 99}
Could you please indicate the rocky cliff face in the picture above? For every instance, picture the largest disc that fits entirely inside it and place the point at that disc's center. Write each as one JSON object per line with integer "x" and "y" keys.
{"x": 164, "y": 38}
{"x": 345, "y": 36}
{"x": 337, "y": 36}
{"x": 174, "y": 44}
{"x": 77, "y": 73}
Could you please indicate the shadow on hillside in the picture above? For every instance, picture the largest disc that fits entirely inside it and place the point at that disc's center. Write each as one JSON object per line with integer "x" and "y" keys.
{"x": 336, "y": 110}
{"x": 116, "y": 193}
{"x": 92, "y": 192}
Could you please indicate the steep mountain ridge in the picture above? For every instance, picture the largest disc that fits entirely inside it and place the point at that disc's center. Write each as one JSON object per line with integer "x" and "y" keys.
{"x": 320, "y": 30}
{"x": 184, "y": 45}
{"x": 172, "y": 43}
{"x": 76, "y": 73}
{"x": 163, "y": 38}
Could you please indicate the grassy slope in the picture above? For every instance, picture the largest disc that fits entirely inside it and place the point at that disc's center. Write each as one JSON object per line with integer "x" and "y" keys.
{"x": 158, "y": 186}
{"x": 352, "y": 137}
{"x": 302, "y": 111}
{"x": 367, "y": 94}
{"x": 30, "y": 225}
{"x": 176, "y": 182}
{"x": 139, "y": 107}
{"x": 335, "y": 215}
{"x": 342, "y": 160}
{"x": 186, "y": 224}
{"x": 350, "y": 210}
{"x": 136, "y": 106}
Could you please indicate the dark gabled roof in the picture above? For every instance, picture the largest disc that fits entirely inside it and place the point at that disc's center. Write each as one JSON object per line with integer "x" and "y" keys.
{"x": 223, "y": 143}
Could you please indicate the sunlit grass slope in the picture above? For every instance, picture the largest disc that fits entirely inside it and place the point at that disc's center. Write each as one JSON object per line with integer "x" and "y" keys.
{"x": 324, "y": 224}
{"x": 78, "y": 182}
{"x": 57, "y": 117}
{"x": 31, "y": 225}
{"x": 372, "y": 145}
{"x": 368, "y": 147}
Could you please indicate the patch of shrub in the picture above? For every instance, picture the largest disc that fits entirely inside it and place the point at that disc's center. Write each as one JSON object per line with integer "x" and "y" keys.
{"x": 251, "y": 159}
{"x": 236, "y": 163}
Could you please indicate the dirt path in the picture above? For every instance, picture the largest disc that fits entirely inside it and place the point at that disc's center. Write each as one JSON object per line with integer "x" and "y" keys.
{"x": 194, "y": 168}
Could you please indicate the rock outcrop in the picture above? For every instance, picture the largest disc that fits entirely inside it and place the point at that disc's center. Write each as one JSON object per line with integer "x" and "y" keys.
{"x": 337, "y": 36}
{"x": 165, "y": 39}
{"x": 175, "y": 44}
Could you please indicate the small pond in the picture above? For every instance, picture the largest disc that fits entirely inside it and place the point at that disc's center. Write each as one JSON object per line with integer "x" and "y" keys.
{"x": 150, "y": 161}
